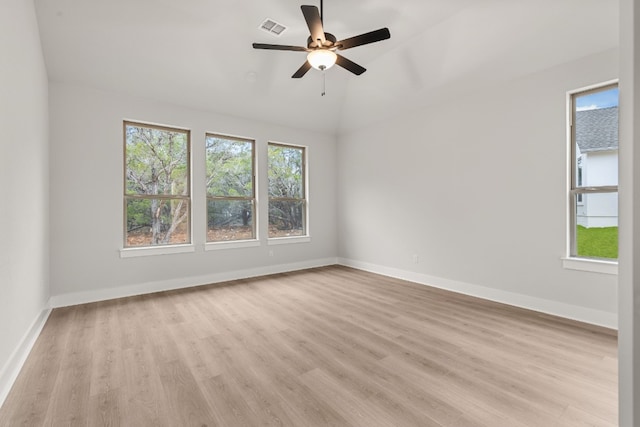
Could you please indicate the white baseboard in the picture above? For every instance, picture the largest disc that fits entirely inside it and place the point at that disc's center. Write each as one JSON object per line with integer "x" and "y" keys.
{"x": 582, "y": 314}
{"x": 11, "y": 369}
{"x": 75, "y": 298}
{"x": 568, "y": 311}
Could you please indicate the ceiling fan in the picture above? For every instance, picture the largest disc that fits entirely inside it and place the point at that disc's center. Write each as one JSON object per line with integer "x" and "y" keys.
{"x": 322, "y": 47}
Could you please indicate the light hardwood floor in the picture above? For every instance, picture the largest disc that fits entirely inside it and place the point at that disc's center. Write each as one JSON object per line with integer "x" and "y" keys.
{"x": 324, "y": 347}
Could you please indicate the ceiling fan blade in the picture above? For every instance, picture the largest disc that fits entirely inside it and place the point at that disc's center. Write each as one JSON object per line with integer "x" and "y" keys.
{"x": 279, "y": 47}
{"x": 350, "y": 65}
{"x": 302, "y": 70}
{"x": 314, "y": 22}
{"x": 366, "y": 38}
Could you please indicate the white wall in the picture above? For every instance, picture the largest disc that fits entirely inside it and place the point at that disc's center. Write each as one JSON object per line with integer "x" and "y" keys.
{"x": 24, "y": 245}
{"x": 476, "y": 188}
{"x": 86, "y": 199}
{"x": 600, "y": 168}
{"x": 599, "y": 210}
{"x": 629, "y": 280}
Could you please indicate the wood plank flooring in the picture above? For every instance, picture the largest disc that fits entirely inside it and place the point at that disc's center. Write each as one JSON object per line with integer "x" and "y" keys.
{"x": 324, "y": 347}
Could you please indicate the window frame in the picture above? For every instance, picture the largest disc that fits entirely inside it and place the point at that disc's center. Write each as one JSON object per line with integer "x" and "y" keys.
{"x": 215, "y": 244}
{"x": 576, "y": 192}
{"x": 306, "y": 236}
{"x": 132, "y": 251}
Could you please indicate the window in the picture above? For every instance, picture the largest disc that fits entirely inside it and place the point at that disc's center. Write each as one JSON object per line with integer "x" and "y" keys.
{"x": 157, "y": 200}
{"x": 230, "y": 188}
{"x": 594, "y": 173}
{"x": 579, "y": 177}
{"x": 287, "y": 192}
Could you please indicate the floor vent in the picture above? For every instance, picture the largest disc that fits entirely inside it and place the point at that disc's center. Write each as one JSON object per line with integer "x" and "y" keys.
{"x": 271, "y": 26}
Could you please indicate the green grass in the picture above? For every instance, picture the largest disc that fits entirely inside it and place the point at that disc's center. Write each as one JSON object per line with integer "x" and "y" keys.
{"x": 599, "y": 242}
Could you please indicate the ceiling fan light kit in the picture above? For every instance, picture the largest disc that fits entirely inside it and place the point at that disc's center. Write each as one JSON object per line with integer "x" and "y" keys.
{"x": 322, "y": 59}
{"x": 321, "y": 47}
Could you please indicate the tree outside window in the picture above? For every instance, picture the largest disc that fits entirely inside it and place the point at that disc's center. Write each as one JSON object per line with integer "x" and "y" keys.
{"x": 230, "y": 188}
{"x": 287, "y": 192}
{"x": 156, "y": 185}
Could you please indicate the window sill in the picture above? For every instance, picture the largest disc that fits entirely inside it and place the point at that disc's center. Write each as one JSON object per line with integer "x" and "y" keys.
{"x": 233, "y": 244}
{"x": 593, "y": 265}
{"x": 156, "y": 250}
{"x": 288, "y": 240}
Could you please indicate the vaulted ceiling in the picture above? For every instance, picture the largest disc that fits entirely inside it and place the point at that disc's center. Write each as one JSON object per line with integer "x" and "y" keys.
{"x": 198, "y": 53}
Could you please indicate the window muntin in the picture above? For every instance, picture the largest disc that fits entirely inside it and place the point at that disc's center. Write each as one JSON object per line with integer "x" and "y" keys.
{"x": 157, "y": 199}
{"x": 287, "y": 191}
{"x": 230, "y": 188}
{"x": 594, "y": 173}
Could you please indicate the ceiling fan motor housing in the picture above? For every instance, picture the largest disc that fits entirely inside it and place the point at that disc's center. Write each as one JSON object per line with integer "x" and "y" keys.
{"x": 330, "y": 41}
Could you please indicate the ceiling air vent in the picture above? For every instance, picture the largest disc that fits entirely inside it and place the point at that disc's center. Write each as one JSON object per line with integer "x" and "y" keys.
{"x": 271, "y": 26}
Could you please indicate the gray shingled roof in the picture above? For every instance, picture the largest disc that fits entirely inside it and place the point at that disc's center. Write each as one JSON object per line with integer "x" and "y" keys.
{"x": 597, "y": 130}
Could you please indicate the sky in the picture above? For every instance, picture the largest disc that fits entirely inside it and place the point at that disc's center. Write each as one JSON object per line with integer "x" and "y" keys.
{"x": 602, "y": 99}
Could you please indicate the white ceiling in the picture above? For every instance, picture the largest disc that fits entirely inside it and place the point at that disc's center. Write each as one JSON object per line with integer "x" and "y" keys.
{"x": 197, "y": 53}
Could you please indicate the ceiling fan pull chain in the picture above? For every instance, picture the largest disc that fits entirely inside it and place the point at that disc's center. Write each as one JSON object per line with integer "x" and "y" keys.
{"x": 324, "y": 82}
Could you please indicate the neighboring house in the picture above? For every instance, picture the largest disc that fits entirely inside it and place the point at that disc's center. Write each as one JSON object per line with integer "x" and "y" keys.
{"x": 597, "y": 154}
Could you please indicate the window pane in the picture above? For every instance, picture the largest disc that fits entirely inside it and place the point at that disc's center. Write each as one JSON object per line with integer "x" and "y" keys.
{"x": 286, "y": 177}
{"x": 229, "y": 220}
{"x": 286, "y": 218}
{"x": 597, "y": 225}
{"x": 151, "y": 222}
{"x": 229, "y": 167}
{"x": 156, "y": 161}
{"x": 596, "y": 138}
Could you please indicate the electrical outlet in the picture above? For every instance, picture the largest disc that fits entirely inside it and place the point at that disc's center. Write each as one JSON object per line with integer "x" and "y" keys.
{"x": 415, "y": 258}
{"x": 270, "y": 252}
